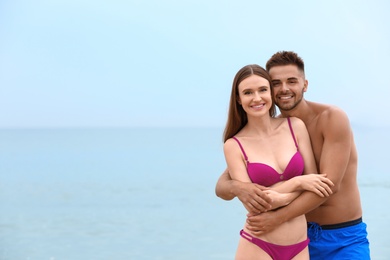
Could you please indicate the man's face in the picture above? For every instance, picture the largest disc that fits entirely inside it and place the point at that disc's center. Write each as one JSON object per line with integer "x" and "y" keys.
{"x": 289, "y": 84}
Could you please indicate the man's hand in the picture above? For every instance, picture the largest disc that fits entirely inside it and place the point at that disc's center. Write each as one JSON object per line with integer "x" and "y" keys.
{"x": 262, "y": 223}
{"x": 253, "y": 197}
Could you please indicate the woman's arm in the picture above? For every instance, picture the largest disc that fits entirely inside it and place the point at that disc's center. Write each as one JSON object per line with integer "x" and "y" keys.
{"x": 317, "y": 183}
{"x": 235, "y": 161}
{"x": 239, "y": 175}
{"x": 281, "y": 199}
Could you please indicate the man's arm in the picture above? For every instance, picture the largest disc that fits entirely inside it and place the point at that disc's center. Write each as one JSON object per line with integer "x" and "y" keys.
{"x": 265, "y": 222}
{"x": 251, "y": 195}
{"x": 225, "y": 186}
{"x": 337, "y": 146}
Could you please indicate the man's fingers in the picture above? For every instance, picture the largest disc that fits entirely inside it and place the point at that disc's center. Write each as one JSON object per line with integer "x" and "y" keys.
{"x": 253, "y": 229}
{"x": 264, "y": 203}
{"x": 258, "y": 207}
{"x": 255, "y": 209}
{"x": 263, "y": 197}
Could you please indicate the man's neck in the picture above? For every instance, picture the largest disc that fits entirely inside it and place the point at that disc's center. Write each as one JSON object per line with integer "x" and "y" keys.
{"x": 303, "y": 111}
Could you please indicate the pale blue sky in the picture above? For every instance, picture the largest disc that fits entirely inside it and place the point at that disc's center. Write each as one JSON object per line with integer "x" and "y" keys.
{"x": 82, "y": 63}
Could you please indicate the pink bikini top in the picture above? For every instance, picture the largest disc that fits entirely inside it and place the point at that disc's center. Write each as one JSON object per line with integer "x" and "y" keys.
{"x": 265, "y": 175}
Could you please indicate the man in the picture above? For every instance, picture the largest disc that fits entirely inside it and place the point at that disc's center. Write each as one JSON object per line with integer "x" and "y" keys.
{"x": 335, "y": 228}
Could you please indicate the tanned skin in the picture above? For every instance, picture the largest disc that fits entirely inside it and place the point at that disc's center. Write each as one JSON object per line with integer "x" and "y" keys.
{"x": 335, "y": 154}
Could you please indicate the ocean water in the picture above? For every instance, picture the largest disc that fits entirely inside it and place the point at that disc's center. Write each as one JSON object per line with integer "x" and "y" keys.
{"x": 142, "y": 193}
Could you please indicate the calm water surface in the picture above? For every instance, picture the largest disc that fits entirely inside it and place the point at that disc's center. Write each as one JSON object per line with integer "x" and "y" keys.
{"x": 140, "y": 194}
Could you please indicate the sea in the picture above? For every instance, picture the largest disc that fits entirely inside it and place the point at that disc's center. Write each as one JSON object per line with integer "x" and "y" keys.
{"x": 142, "y": 193}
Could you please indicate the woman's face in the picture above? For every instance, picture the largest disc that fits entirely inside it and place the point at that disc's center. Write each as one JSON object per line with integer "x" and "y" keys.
{"x": 254, "y": 95}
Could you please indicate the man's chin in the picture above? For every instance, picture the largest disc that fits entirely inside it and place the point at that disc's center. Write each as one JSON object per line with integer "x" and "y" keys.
{"x": 285, "y": 108}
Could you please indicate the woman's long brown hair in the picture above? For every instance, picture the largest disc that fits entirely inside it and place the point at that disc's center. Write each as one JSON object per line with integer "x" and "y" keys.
{"x": 237, "y": 117}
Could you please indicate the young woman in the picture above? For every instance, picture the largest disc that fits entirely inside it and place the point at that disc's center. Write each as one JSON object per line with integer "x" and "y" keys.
{"x": 275, "y": 153}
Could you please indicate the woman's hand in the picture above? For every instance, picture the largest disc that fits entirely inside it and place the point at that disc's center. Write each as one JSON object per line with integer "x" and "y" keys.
{"x": 278, "y": 199}
{"x": 317, "y": 183}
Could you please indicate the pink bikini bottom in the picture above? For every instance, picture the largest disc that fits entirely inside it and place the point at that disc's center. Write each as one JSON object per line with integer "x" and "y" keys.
{"x": 276, "y": 251}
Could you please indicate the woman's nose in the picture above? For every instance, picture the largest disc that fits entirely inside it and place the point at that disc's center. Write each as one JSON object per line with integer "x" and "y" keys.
{"x": 257, "y": 96}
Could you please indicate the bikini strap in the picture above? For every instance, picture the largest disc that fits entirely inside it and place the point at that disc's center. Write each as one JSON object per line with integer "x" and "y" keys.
{"x": 246, "y": 235}
{"x": 292, "y": 132}
{"x": 242, "y": 149}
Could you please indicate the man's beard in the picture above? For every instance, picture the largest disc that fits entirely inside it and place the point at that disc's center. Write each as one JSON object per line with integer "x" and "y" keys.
{"x": 288, "y": 107}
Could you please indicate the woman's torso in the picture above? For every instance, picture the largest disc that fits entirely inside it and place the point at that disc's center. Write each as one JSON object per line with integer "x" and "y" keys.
{"x": 271, "y": 159}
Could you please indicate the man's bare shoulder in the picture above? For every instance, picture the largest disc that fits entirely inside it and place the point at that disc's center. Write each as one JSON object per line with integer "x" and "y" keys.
{"x": 329, "y": 114}
{"x": 332, "y": 121}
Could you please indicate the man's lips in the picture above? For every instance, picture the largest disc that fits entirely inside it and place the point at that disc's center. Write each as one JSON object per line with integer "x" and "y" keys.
{"x": 285, "y": 97}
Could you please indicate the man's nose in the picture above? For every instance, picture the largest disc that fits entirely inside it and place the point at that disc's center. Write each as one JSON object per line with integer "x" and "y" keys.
{"x": 285, "y": 87}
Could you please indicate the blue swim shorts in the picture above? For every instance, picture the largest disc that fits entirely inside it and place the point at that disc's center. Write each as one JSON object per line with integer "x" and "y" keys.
{"x": 340, "y": 241}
